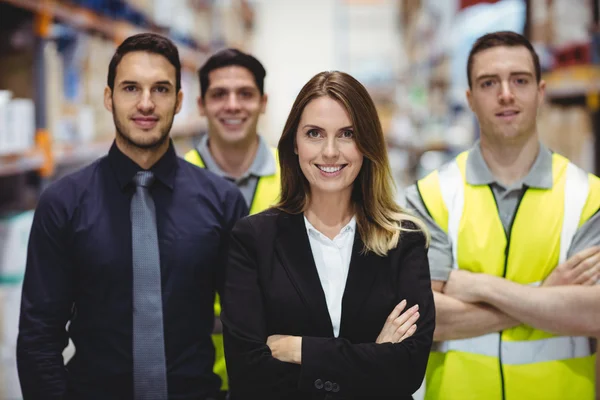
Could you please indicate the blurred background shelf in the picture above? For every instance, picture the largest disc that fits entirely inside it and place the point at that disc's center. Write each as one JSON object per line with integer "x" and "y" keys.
{"x": 571, "y": 81}
{"x": 82, "y": 153}
{"x": 12, "y": 164}
{"x": 115, "y": 29}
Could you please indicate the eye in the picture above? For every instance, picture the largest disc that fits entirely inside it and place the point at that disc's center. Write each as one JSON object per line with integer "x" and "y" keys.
{"x": 313, "y": 133}
{"x": 130, "y": 88}
{"x": 521, "y": 81}
{"x": 218, "y": 94}
{"x": 162, "y": 89}
{"x": 487, "y": 83}
{"x": 246, "y": 94}
{"x": 347, "y": 134}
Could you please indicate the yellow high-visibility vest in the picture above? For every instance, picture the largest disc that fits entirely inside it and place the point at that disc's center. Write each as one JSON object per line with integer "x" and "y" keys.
{"x": 521, "y": 363}
{"x": 268, "y": 189}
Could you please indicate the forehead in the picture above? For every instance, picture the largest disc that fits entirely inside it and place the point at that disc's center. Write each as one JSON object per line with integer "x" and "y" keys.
{"x": 502, "y": 59}
{"x": 231, "y": 76}
{"x": 325, "y": 111}
{"x": 142, "y": 66}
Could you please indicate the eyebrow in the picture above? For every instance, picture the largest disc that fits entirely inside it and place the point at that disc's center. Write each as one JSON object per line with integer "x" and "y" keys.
{"x": 309, "y": 126}
{"x": 247, "y": 87}
{"x": 125, "y": 83}
{"x": 488, "y": 76}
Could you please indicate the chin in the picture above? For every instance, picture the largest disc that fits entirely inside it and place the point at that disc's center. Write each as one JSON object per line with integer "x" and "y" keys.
{"x": 146, "y": 140}
{"x": 235, "y": 137}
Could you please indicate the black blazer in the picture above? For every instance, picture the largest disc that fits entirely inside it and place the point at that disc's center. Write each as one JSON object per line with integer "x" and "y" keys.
{"x": 272, "y": 287}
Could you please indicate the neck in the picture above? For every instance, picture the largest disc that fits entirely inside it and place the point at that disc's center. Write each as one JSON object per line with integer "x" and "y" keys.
{"x": 145, "y": 158}
{"x": 510, "y": 162}
{"x": 329, "y": 213}
{"x": 233, "y": 159}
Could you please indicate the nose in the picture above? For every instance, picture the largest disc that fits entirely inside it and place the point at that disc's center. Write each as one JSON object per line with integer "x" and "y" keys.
{"x": 145, "y": 104}
{"x": 506, "y": 95}
{"x": 331, "y": 149}
{"x": 232, "y": 102}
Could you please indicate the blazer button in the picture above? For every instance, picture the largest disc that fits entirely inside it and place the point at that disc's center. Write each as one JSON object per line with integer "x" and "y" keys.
{"x": 319, "y": 384}
{"x": 328, "y": 386}
{"x": 335, "y": 387}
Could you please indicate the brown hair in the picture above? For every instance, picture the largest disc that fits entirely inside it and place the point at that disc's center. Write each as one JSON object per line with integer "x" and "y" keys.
{"x": 502, "y": 38}
{"x": 378, "y": 216}
{"x": 151, "y": 43}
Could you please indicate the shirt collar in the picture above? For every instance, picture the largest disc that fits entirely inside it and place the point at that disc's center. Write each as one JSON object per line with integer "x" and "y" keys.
{"x": 125, "y": 168}
{"x": 263, "y": 164}
{"x": 350, "y": 227}
{"x": 539, "y": 176}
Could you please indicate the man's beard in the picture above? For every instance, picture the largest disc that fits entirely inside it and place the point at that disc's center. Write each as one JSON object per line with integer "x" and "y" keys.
{"x": 164, "y": 135}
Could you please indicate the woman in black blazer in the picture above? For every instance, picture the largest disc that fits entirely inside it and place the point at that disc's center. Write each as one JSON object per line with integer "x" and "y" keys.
{"x": 328, "y": 294}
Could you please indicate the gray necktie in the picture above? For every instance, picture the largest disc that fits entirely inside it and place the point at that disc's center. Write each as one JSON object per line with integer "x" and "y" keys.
{"x": 149, "y": 366}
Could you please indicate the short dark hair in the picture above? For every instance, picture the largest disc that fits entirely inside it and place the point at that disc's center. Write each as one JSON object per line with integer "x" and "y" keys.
{"x": 502, "y": 38}
{"x": 227, "y": 57}
{"x": 148, "y": 42}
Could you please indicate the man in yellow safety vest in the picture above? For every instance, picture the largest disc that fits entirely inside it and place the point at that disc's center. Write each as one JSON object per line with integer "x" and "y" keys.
{"x": 232, "y": 99}
{"x": 514, "y": 255}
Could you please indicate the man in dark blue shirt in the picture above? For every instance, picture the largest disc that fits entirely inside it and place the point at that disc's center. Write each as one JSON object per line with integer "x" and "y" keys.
{"x": 104, "y": 251}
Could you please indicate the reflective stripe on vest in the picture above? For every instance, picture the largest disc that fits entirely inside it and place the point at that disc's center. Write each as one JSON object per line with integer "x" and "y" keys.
{"x": 452, "y": 186}
{"x": 521, "y": 352}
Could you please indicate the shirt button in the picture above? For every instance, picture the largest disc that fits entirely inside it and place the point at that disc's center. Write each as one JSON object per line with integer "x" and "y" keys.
{"x": 328, "y": 386}
{"x": 335, "y": 387}
{"x": 319, "y": 384}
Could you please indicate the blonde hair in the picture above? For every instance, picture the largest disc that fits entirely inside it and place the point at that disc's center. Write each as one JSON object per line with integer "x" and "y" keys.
{"x": 379, "y": 218}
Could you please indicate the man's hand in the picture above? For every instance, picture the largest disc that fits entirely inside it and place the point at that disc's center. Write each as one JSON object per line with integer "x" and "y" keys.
{"x": 286, "y": 348}
{"x": 399, "y": 325}
{"x": 464, "y": 285}
{"x": 582, "y": 268}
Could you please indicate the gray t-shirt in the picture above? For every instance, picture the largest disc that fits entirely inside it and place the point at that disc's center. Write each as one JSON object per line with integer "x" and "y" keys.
{"x": 478, "y": 173}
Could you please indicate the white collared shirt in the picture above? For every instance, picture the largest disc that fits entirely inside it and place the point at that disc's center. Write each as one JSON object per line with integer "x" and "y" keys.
{"x": 332, "y": 258}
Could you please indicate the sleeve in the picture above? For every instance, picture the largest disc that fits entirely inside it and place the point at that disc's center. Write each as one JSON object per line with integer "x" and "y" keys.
{"x": 235, "y": 209}
{"x": 371, "y": 369}
{"x": 440, "y": 248}
{"x": 46, "y": 303}
{"x": 586, "y": 236}
{"x": 253, "y": 371}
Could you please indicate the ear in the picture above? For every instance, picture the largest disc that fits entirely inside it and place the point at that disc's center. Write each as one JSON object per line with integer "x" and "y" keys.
{"x": 542, "y": 92}
{"x": 201, "y": 108}
{"x": 179, "y": 101}
{"x": 469, "y": 95}
{"x": 263, "y": 103}
{"x": 108, "y": 103}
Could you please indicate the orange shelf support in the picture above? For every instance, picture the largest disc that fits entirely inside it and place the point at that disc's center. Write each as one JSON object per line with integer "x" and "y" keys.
{"x": 44, "y": 143}
{"x": 43, "y": 18}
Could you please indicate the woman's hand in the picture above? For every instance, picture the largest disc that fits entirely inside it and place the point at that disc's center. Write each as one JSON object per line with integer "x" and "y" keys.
{"x": 399, "y": 325}
{"x": 286, "y": 348}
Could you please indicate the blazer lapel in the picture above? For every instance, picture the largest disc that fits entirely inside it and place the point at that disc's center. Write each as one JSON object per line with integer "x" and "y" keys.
{"x": 361, "y": 276}
{"x": 292, "y": 246}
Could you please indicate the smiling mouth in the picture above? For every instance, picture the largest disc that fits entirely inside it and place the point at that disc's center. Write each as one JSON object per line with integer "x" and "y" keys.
{"x": 330, "y": 169}
{"x": 145, "y": 122}
{"x": 232, "y": 122}
{"x": 510, "y": 113}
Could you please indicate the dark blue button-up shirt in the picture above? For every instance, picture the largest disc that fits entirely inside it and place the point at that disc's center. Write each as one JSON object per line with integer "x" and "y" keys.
{"x": 79, "y": 270}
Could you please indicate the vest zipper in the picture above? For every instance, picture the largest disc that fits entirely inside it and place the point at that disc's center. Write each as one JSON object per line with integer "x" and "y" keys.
{"x": 507, "y": 233}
